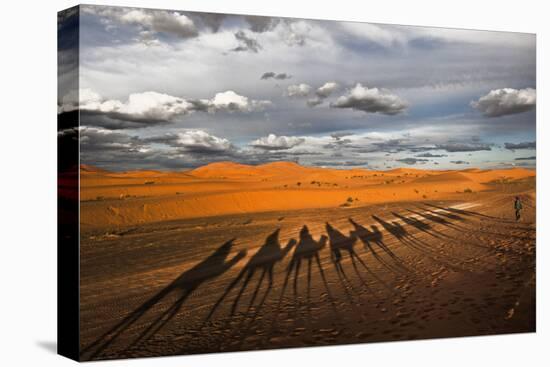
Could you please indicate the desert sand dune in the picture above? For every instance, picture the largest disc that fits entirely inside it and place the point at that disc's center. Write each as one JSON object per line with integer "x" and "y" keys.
{"x": 396, "y": 270}
{"x": 115, "y": 199}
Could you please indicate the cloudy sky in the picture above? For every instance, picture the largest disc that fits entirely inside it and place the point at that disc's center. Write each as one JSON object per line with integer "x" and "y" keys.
{"x": 175, "y": 90}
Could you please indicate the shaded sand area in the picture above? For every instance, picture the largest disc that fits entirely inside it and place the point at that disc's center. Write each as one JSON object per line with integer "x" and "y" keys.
{"x": 274, "y": 269}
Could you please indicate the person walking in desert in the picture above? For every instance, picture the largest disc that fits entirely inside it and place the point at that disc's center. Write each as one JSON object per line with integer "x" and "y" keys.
{"x": 518, "y": 207}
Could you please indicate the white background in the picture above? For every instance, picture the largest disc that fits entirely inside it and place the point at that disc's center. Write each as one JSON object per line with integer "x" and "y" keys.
{"x": 28, "y": 183}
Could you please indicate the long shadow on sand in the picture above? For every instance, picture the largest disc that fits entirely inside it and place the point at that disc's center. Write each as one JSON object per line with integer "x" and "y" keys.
{"x": 184, "y": 285}
{"x": 438, "y": 219}
{"x": 373, "y": 240}
{"x": 424, "y": 227}
{"x": 409, "y": 240}
{"x": 339, "y": 244}
{"x": 262, "y": 261}
{"x": 307, "y": 250}
{"x": 451, "y": 213}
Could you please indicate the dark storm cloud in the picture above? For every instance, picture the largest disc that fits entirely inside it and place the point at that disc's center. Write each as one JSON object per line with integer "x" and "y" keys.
{"x": 283, "y": 76}
{"x": 117, "y": 121}
{"x": 268, "y": 75}
{"x": 68, "y": 61}
{"x": 194, "y": 141}
{"x": 463, "y": 147}
{"x": 117, "y": 150}
{"x": 411, "y": 161}
{"x": 431, "y": 155}
{"x": 96, "y": 140}
{"x": 261, "y": 24}
{"x": 507, "y": 101}
{"x": 272, "y": 75}
{"x": 246, "y": 43}
{"x": 524, "y": 145}
{"x": 532, "y": 158}
{"x": 67, "y": 29}
{"x": 372, "y": 100}
{"x": 213, "y": 21}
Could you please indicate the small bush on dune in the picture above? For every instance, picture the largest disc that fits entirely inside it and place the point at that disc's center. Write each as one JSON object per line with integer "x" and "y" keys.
{"x": 468, "y": 191}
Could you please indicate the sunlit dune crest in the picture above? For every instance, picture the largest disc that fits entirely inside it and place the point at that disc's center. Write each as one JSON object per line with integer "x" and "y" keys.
{"x": 133, "y": 197}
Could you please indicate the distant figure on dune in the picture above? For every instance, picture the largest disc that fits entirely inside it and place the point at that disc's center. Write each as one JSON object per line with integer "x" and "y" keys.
{"x": 518, "y": 206}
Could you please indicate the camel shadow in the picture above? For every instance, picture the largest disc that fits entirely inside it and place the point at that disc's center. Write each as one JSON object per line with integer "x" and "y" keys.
{"x": 438, "y": 219}
{"x": 373, "y": 239}
{"x": 263, "y": 261}
{"x": 409, "y": 240}
{"x": 341, "y": 244}
{"x": 183, "y": 286}
{"x": 307, "y": 250}
{"x": 420, "y": 225}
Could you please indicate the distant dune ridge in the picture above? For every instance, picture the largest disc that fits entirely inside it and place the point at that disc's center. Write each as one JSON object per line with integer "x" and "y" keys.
{"x": 111, "y": 199}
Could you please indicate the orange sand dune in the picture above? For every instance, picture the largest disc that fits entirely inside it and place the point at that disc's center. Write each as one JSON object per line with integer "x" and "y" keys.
{"x": 110, "y": 199}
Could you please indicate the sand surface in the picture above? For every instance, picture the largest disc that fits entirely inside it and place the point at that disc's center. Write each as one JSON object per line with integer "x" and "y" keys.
{"x": 112, "y": 200}
{"x": 226, "y": 257}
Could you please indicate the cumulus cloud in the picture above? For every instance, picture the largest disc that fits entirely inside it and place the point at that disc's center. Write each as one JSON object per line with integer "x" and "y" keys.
{"x": 463, "y": 147}
{"x": 246, "y": 43}
{"x": 523, "y": 145}
{"x": 160, "y": 21}
{"x": 272, "y": 75}
{"x": 274, "y": 142}
{"x": 194, "y": 141}
{"x": 373, "y": 100}
{"x": 322, "y": 93}
{"x": 506, "y": 101}
{"x": 326, "y": 89}
{"x": 298, "y": 90}
{"x": 151, "y": 107}
{"x": 139, "y": 106}
{"x": 229, "y": 101}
